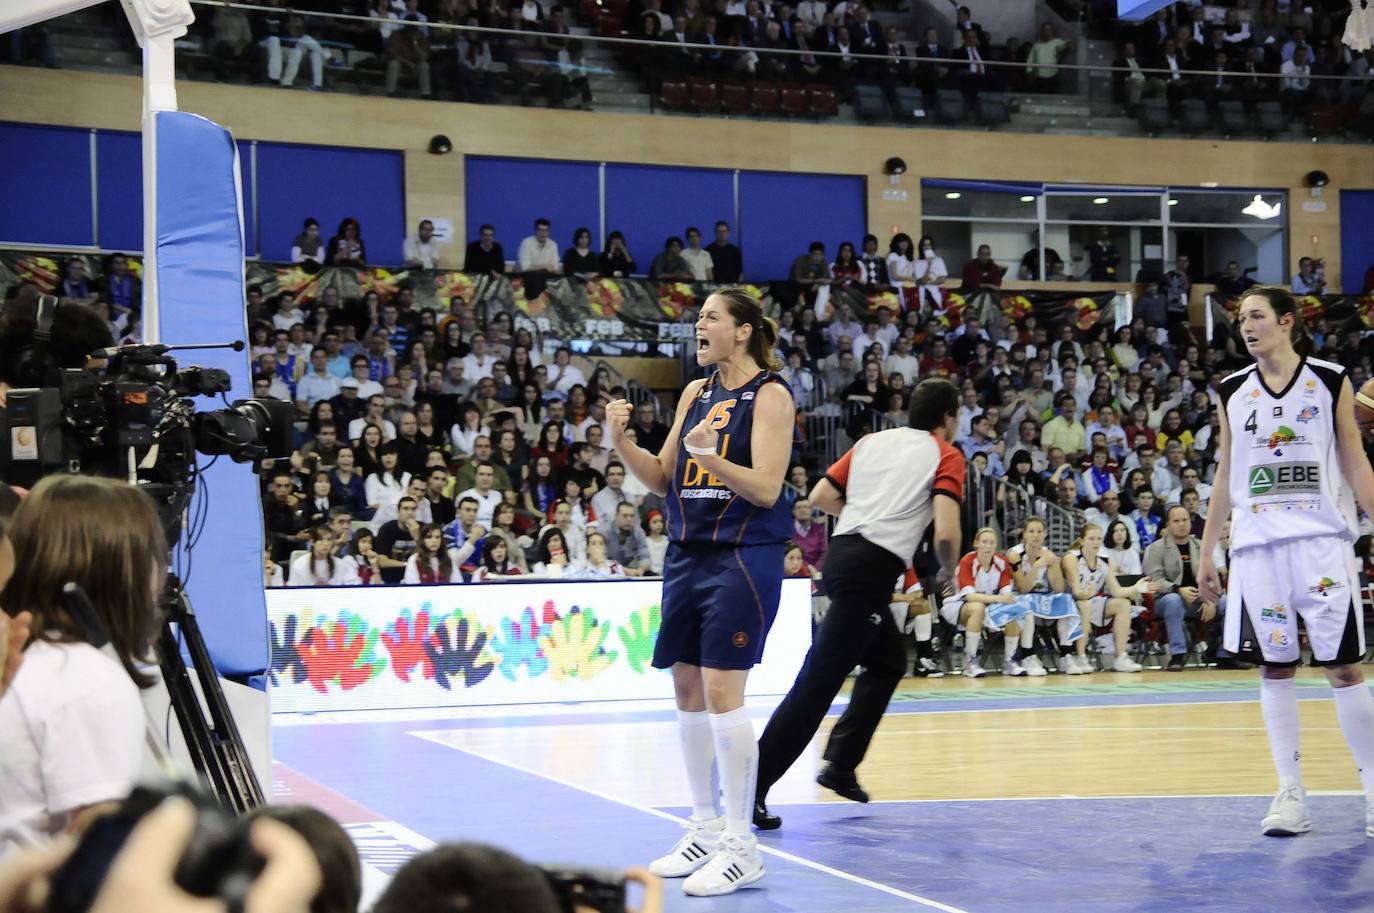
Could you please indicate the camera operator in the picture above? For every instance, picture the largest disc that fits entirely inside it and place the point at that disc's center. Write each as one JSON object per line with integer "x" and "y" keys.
{"x": 72, "y": 723}
{"x": 77, "y": 330}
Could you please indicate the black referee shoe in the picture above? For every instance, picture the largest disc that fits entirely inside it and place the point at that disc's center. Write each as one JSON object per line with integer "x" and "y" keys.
{"x": 842, "y": 782}
{"x": 763, "y": 820}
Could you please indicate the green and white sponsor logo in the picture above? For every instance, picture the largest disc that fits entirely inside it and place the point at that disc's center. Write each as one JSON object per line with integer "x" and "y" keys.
{"x": 1285, "y": 478}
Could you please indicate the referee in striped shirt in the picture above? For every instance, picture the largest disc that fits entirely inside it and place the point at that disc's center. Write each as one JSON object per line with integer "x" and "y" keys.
{"x": 884, "y": 492}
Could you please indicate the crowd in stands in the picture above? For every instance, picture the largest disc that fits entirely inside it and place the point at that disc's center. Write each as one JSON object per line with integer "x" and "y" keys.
{"x": 1237, "y": 50}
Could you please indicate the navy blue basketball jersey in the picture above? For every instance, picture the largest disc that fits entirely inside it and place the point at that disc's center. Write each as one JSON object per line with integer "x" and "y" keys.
{"x": 700, "y": 507}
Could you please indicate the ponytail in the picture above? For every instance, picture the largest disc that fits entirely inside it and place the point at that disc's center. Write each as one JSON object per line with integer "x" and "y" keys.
{"x": 747, "y": 311}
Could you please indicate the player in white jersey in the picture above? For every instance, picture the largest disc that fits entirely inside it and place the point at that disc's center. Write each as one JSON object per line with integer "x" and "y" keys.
{"x": 1037, "y": 572}
{"x": 1287, "y": 439}
{"x": 1101, "y": 601}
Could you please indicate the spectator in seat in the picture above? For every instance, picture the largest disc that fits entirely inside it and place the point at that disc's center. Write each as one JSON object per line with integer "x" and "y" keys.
{"x": 496, "y": 562}
{"x": 565, "y": 70}
{"x": 346, "y": 248}
{"x": 396, "y": 541}
{"x": 1310, "y": 280}
{"x": 624, "y": 541}
{"x": 598, "y": 564}
{"x": 485, "y": 254}
{"x": 282, "y": 517}
{"x": 406, "y": 39}
{"x": 970, "y": 71}
{"x": 1298, "y": 40}
{"x": 232, "y": 41}
{"x": 1232, "y": 282}
{"x": 844, "y": 69}
{"x": 982, "y": 271}
{"x": 652, "y": 433}
{"x": 929, "y": 71}
{"x": 301, "y": 43}
{"x": 1129, "y": 81}
{"x": 476, "y": 81}
{"x": 316, "y": 385}
{"x": 325, "y": 447}
{"x": 1042, "y": 65}
{"x": 1219, "y": 85}
{"x": 348, "y": 483}
{"x": 616, "y": 262}
{"x": 538, "y": 255}
{"x": 809, "y": 534}
{"x": 319, "y": 567}
{"x": 698, "y": 258}
{"x": 1065, "y": 431}
{"x": 420, "y": 250}
{"x": 1175, "y": 84}
{"x": 1103, "y": 257}
{"x": 483, "y": 492}
{"x": 668, "y": 265}
{"x": 810, "y": 272}
{"x": 432, "y": 561}
{"x": 580, "y": 261}
{"x": 606, "y": 501}
{"x": 1172, "y": 562}
{"x": 727, "y": 263}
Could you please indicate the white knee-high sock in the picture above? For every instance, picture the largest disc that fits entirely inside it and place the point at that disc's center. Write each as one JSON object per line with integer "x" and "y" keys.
{"x": 699, "y": 756}
{"x": 1355, "y": 710}
{"x": 1279, "y": 704}
{"x": 971, "y": 641}
{"x": 1028, "y": 632}
{"x": 737, "y": 757}
{"x": 923, "y": 627}
{"x": 1065, "y": 625}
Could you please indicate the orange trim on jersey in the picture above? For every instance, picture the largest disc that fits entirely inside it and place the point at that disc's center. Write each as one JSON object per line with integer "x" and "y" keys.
{"x": 740, "y": 538}
{"x": 758, "y": 603}
{"x": 716, "y": 532}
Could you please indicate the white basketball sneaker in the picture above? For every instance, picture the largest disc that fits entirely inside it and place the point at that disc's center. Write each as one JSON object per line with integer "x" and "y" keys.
{"x": 973, "y": 670}
{"x": 692, "y": 850}
{"x": 736, "y": 863}
{"x": 1034, "y": 667}
{"x": 1124, "y": 663}
{"x": 1288, "y": 813}
{"x": 1085, "y": 665}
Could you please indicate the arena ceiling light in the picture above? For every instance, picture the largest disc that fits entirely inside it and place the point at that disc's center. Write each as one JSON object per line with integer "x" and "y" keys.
{"x": 953, "y": 195}
{"x": 1173, "y": 201}
{"x": 1099, "y": 201}
{"x": 1262, "y": 210}
{"x": 1028, "y": 199}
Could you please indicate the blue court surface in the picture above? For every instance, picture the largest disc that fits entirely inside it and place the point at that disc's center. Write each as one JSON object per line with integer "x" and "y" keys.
{"x": 400, "y": 787}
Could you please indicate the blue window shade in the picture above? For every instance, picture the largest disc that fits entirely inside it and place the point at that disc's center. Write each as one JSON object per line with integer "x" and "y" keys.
{"x": 510, "y": 193}
{"x": 119, "y": 190}
{"x": 46, "y": 185}
{"x": 649, "y": 204}
{"x": 992, "y": 186}
{"x": 331, "y": 184}
{"x": 1357, "y": 230}
{"x": 781, "y": 214}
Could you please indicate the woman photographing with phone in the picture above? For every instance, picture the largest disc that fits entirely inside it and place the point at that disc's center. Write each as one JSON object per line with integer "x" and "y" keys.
{"x": 72, "y": 723}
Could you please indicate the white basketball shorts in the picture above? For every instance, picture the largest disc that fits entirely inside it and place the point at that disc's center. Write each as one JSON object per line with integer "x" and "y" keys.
{"x": 1269, "y": 586}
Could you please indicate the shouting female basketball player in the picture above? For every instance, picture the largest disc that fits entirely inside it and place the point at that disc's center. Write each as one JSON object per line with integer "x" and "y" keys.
{"x": 720, "y": 473}
{"x": 1288, "y": 437}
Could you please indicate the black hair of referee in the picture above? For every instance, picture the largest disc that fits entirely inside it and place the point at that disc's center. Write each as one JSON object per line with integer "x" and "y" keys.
{"x": 858, "y": 629}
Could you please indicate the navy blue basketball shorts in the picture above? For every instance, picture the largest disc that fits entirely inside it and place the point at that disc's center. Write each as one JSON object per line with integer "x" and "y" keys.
{"x": 718, "y": 604}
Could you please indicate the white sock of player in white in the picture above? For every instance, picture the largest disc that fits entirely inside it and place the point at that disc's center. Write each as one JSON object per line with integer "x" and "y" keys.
{"x": 1355, "y": 711}
{"x": 971, "y": 641}
{"x": 1279, "y": 704}
{"x": 1028, "y": 632}
{"x": 1065, "y": 625}
{"x": 699, "y": 754}
{"x": 923, "y": 627}
{"x": 737, "y": 758}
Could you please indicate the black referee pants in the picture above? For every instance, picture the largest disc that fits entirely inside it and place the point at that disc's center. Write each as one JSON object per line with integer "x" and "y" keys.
{"x": 858, "y": 630}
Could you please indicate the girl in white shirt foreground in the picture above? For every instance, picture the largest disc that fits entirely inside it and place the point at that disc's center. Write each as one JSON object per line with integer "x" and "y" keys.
{"x": 319, "y": 567}
{"x": 72, "y": 722}
{"x": 432, "y": 563}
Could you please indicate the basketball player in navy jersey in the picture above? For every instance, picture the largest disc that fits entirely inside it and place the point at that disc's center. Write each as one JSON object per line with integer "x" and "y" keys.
{"x": 1289, "y": 459}
{"x": 720, "y": 473}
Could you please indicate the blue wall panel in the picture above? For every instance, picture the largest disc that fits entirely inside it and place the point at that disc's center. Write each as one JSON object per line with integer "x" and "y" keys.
{"x": 510, "y": 193}
{"x": 1357, "y": 238}
{"x": 250, "y": 238}
{"x": 650, "y": 203}
{"x": 45, "y": 185}
{"x": 781, "y": 214}
{"x": 119, "y": 193}
{"x": 295, "y": 182}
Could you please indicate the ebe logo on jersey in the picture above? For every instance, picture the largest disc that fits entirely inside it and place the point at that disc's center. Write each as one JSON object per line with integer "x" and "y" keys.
{"x": 1285, "y": 478}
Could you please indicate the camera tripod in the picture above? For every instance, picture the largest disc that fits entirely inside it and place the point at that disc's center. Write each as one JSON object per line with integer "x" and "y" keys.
{"x": 216, "y": 748}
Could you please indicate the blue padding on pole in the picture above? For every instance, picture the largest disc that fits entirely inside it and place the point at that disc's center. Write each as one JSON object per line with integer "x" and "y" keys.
{"x": 201, "y": 293}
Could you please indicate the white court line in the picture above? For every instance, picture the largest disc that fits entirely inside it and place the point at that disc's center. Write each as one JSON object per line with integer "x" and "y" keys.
{"x": 658, "y": 813}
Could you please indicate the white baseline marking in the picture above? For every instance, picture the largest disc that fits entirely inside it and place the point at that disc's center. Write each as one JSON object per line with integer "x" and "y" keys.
{"x": 837, "y": 873}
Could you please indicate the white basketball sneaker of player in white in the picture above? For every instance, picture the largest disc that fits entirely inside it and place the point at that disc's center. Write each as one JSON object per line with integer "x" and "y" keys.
{"x": 693, "y": 849}
{"x": 1124, "y": 663}
{"x": 1288, "y": 813}
{"x": 736, "y": 863}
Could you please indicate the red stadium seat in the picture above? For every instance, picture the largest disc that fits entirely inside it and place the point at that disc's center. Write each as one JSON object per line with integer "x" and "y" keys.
{"x": 609, "y": 26}
{"x": 763, "y": 98}
{"x": 734, "y": 98}
{"x": 823, "y": 102}
{"x": 673, "y": 95}
{"x": 793, "y": 99}
{"x": 705, "y": 96}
